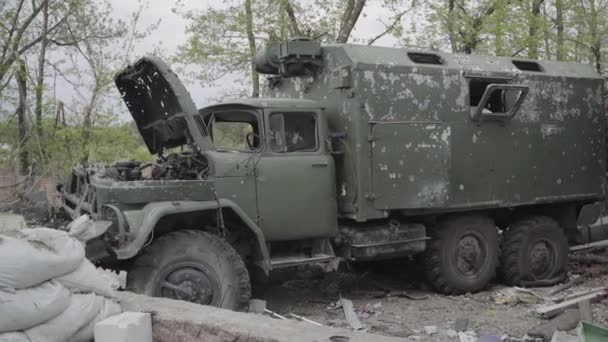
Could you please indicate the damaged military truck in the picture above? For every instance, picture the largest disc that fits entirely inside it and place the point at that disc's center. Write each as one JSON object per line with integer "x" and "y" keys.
{"x": 482, "y": 165}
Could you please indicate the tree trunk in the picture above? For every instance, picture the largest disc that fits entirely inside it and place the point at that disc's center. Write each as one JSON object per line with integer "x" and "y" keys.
{"x": 596, "y": 39}
{"x": 451, "y": 31}
{"x": 41, "y": 63}
{"x": 533, "y": 25}
{"x": 293, "y": 27}
{"x": 349, "y": 19}
{"x": 255, "y": 78}
{"x": 22, "y": 118}
{"x": 87, "y": 123}
{"x": 559, "y": 27}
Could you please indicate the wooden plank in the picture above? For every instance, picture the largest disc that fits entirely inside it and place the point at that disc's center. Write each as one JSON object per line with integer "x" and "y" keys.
{"x": 555, "y": 309}
{"x": 579, "y": 294}
{"x": 592, "y": 245}
{"x": 351, "y": 316}
{"x": 567, "y": 285}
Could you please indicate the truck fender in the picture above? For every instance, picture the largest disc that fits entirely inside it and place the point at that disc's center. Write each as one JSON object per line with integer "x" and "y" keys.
{"x": 153, "y": 212}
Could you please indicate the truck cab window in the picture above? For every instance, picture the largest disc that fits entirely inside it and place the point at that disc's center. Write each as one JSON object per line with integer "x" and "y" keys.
{"x": 293, "y": 132}
{"x": 229, "y": 130}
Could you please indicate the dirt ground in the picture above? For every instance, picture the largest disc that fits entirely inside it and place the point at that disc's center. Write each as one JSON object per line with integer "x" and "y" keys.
{"x": 392, "y": 298}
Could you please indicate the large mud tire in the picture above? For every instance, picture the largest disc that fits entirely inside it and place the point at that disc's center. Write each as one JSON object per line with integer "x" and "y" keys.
{"x": 535, "y": 252}
{"x": 462, "y": 255}
{"x": 194, "y": 266}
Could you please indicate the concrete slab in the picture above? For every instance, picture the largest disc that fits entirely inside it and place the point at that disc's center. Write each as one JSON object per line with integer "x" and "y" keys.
{"x": 178, "y": 321}
{"x": 126, "y": 327}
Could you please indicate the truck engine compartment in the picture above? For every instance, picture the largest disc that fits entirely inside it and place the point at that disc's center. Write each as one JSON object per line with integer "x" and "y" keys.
{"x": 184, "y": 165}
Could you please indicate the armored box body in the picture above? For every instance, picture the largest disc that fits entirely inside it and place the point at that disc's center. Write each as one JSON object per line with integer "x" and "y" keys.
{"x": 435, "y": 132}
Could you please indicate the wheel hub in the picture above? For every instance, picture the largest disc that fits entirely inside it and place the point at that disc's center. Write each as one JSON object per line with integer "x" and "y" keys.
{"x": 542, "y": 256}
{"x": 188, "y": 282}
{"x": 470, "y": 255}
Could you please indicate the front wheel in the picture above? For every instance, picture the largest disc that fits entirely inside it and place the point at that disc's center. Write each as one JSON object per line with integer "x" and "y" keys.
{"x": 193, "y": 266}
{"x": 462, "y": 255}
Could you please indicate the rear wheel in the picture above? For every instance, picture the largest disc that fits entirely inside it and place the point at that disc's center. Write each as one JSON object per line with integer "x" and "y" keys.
{"x": 535, "y": 252}
{"x": 194, "y": 266}
{"x": 462, "y": 255}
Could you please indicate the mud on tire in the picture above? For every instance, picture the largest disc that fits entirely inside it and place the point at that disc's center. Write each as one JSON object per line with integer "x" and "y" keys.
{"x": 194, "y": 266}
{"x": 535, "y": 252}
{"x": 462, "y": 255}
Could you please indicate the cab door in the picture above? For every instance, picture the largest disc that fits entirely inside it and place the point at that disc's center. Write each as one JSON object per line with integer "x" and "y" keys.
{"x": 295, "y": 177}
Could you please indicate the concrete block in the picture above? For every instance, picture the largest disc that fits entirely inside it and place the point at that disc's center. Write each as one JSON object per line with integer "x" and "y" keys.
{"x": 11, "y": 222}
{"x": 178, "y": 321}
{"x": 126, "y": 327}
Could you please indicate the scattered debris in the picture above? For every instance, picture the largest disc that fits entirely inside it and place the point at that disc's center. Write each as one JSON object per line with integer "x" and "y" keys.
{"x": 579, "y": 294}
{"x": 589, "y": 259}
{"x": 413, "y": 295}
{"x": 304, "y": 319}
{"x": 351, "y": 316}
{"x": 489, "y": 338}
{"x": 274, "y": 314}
{"x": 467, "y": 336}
{"x": 515, "y": 295}
{"x": 555, "y": 309}
{"x": 430, "y": 329}
{"x": 257, "y": 306}
{"x": 589, "y": 246}
{"x": 461, "y": 324}
{"x": 571, "y": 283}
{"x": 568, "y": 320}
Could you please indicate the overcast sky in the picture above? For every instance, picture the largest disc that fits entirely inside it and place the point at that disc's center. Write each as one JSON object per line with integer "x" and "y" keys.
{"x": 171, "y": 32}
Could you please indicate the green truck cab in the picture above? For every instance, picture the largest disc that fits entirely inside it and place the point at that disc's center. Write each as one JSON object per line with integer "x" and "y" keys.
{"x": 363, "y": 153}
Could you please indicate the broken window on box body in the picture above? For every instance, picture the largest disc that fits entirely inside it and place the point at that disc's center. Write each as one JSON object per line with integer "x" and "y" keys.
{"x": 293, "y": 132}
{"x": 499, "y": 100}
{"x": 229, "y": 130}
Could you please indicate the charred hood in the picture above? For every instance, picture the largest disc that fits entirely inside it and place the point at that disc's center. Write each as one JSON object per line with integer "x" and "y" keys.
{"x": 161, "y": 106}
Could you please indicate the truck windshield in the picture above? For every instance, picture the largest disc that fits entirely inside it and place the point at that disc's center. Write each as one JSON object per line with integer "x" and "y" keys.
{"x": 235, "y": 130}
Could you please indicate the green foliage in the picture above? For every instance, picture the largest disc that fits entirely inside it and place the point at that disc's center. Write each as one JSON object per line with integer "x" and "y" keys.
{"x": 64, "y": 147}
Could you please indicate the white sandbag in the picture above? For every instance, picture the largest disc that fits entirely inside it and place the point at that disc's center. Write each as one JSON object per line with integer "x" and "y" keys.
{"x": 85, "y": 334}
{"x": 87, "y": 279}
{"x": 26, "y": 308}
{"x": 78, "y": 227}
{"x": 14, "y": 337}
{"x": 32, "y": 256}
{"x": 84, "y": 228}
{"x": 83, "y": 308}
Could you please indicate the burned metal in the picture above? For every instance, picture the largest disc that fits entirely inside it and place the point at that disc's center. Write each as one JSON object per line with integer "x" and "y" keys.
{"x": 376, "y": 152}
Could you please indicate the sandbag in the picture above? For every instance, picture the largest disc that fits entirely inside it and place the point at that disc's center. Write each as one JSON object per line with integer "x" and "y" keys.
{"x": 88, "y": 279}
{"x": 14, "y": 337}
{"x": 83, "y": 308}
{"x": 26, "y": 308}
{"x": 86, "y": 333}
{"x": 30, "y": 257}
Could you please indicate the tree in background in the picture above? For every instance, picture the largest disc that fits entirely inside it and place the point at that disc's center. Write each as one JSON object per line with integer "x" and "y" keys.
{"x": 224, "y": 38}
{"x": 76, "y": 42}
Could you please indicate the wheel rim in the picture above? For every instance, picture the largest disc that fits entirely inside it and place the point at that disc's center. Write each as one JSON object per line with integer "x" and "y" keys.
{"x": 470, "y": 255}
{"x": 189, "y": 281}
{"x": 542, "y": 257}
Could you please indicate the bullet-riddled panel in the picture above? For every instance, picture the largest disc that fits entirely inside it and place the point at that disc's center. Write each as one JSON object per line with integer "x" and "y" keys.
{"x": 410, "y": 163}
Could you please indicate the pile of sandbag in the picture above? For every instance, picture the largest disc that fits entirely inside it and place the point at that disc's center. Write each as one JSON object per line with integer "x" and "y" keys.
{"x": 49, "y": 291}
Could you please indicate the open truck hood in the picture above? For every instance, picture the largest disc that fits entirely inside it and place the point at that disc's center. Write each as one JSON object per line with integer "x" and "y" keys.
{"x": 161, "y": 106}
